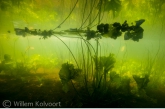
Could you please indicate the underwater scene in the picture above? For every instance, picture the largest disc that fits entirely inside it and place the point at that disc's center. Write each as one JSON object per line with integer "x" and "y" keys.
{"x": 82, "y": 53}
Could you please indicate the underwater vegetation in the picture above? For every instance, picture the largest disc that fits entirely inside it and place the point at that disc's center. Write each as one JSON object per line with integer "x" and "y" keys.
{"x": 107, "y": 84}
{"x": 134, "y": 32}
{"x": 67, "y": 74}
{"x": 82, "y": 53}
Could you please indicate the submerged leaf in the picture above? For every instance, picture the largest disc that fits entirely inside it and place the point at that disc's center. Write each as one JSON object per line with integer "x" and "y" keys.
{"x": 141, "y": 82}
{"x": 105, "y": 63}
{"x": 67, "y": 73}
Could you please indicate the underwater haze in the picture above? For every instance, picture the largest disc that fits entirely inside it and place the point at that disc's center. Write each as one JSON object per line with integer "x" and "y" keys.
{"x": 82, "y": 53}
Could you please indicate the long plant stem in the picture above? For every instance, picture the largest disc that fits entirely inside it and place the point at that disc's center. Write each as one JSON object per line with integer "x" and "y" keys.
{"x": 97, "y": 75}
{"x": 68, "y": 15}
{"x": 84, "y": 67}
{"x": 69, "y": 51}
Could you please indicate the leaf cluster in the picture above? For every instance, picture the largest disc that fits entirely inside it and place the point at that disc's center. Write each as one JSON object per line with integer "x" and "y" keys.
{"x": 68, "y": 73}
{"x": 105, "y": 63}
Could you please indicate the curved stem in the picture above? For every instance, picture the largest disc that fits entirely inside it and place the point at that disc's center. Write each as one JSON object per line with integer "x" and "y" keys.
{"x": 69, "y": 51}
{"x": 67, "y": 16}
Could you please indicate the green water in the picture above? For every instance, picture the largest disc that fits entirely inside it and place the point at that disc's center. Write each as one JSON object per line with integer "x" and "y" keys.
{"x": 35, "y": 64}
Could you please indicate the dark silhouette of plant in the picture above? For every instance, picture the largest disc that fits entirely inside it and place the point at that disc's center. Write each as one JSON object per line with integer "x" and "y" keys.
{"x": 103, "y": 65}
{"x": 141, "y": 81}
{"x": 67, "y": 74}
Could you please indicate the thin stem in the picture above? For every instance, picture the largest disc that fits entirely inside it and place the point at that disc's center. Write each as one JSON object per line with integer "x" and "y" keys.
{"x": 69, "y": 51}
{"x": 67, "y": 16}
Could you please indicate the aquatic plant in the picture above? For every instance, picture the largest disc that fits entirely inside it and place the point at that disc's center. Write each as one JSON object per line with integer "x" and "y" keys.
{"x": 115, "y": 79}
{"x": 7, "y": 65}
{"x": 103, "y": 65}
{"x": 141, "y": 81}
{"x": 67, "y": 74}
{"x": 96, "y": 69}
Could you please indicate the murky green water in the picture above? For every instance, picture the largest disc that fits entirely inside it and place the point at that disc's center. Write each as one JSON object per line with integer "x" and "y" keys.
{"x": 78, "y": 71}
